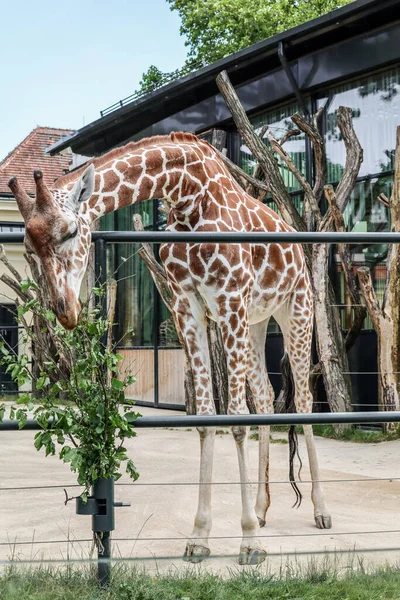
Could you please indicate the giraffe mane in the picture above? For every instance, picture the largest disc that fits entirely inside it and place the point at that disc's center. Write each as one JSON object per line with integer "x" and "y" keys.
{"x": 119, "y": 152}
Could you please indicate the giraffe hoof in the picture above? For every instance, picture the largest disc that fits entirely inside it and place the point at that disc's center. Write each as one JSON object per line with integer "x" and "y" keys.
{"x": 261, "y": 522}
{"x": 323, "y": 522}
{"x": 195, "y": 554}
{"x": 248, "y": 556}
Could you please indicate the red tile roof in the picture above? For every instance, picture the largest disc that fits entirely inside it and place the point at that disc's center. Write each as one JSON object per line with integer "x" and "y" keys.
{"x": 31, "y": 154}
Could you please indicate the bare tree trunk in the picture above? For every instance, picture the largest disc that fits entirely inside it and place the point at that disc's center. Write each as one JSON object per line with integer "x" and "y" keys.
{"x": 386, "y": 318}
{"x": 330, "y": 343}
{"x": 383, "y": 321}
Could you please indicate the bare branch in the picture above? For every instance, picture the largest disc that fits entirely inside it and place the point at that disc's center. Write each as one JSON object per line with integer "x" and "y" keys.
{"x": 218, "y": 139}
{"x": 289, "y": 133}
{"x": 6, "y": 262}
{"x": 354, "y": 157}
{"x": 384, "y": 199}
{"x": 266, "y": 159}
{"x": 156, "y": 270}
{"x": 309, "y": 197}
{"x": 240, "y": 174}
{"x": 312, "y": 132}
{"x": 164, "y": 207}
{"x": 367, "y": 288}
{"x": 257, "y": 171}
{"x": 15, "y": 286}
{"x": 360, "y": 311}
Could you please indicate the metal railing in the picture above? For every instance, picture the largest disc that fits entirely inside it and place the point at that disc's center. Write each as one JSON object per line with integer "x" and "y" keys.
{"x": 163, "y": 79}
{"x": 101, "y": 239}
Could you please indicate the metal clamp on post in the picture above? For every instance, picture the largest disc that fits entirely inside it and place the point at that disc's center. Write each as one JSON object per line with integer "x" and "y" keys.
{"x": 100, "y": 505}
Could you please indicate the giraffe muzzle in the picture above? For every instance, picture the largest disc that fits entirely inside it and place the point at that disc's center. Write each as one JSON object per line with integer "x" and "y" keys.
{"x": 68, "y": 317}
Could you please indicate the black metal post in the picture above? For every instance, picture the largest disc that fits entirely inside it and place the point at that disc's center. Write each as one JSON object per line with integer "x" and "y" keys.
{"x": 101, "y": 506}
{"x": 156, "y": 318}
{"x": 104, "y": 561}
{"x": 292, "y": 80}
{"x": 100, "y": 268}
{"x": 103, "y": 522}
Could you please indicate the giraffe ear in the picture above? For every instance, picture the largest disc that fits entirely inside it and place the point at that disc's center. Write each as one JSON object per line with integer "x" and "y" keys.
{"x": 83, "y": 188}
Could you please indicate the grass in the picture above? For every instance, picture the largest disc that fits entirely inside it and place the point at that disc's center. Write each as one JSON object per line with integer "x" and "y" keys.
{"x": 191, "y": 584}
{"x": 355, "y": 434}
{"x": 349, "y": 434}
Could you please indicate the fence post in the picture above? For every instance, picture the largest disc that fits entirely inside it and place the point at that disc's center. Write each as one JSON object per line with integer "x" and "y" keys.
{"x": 102, "y": 524}
{"x": 100, "y": 270}
{"x": 101, "y": 506}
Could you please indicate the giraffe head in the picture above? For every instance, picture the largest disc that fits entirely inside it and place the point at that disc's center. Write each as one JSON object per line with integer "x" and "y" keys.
{"x": 58, "y": 236}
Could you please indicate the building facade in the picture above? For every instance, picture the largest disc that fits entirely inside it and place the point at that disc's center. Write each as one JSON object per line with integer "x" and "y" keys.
{"x": 349, "y": 57}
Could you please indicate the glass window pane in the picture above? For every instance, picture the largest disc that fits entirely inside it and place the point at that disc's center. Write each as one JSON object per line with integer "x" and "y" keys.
{"x": 279, "y": 122}
{"x": 375, "y": 102}
{"x": 167, "y": 336}
{"x": 135, "y": 294}
{"x": 364, "y": 212}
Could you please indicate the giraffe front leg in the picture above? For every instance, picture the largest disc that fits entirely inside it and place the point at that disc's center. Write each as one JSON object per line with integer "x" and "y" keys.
{"x": 235, "y": 334}
{"x": 194, "y": 332}
{"x": 251, "y": 550}
{"x": 197, "y": 548}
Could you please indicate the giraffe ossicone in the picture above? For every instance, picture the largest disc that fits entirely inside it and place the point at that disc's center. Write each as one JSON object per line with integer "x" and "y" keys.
{"x": 240, "y": 286}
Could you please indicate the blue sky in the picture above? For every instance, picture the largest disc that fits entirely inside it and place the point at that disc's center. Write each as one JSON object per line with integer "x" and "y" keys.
{"x": 62, "y": 62}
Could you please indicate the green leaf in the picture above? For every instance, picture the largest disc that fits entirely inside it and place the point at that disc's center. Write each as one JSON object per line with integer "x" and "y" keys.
{"x": 130, "y": 380}
{"x": 131, "y": 416}
{"x": 28, "y": 284}
{"x": 131, "y": 470}
{"x": 117, "y": 384}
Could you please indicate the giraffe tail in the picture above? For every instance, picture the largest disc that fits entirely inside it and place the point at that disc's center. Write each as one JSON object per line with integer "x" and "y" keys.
{"x": 287, "y": 404}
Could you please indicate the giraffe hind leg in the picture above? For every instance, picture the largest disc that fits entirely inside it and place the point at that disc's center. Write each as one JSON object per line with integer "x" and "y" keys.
{"x": 263, "y": 395}
{"x": 296, "y": 321}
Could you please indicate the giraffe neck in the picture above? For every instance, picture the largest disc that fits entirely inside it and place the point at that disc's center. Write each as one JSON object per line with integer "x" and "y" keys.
{"x": 169, "y": 170}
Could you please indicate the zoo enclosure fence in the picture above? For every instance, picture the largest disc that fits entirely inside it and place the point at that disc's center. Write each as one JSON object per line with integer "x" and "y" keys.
{"x": 101, "y": 239}
{"x": 157, "y": 357}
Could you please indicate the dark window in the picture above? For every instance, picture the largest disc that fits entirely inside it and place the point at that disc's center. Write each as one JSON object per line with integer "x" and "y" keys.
{"x": 9, "y": 335}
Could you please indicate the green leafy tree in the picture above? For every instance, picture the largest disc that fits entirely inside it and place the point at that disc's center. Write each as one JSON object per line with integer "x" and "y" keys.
{"x": 217, "y": 28}
{"x": 82, "y": 409}
{"x": 151, "y": 79}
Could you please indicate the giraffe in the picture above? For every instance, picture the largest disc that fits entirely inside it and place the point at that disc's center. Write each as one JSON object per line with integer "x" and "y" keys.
{"x": 240, "y": 286}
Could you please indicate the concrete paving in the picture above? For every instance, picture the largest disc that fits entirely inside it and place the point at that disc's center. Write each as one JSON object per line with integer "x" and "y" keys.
{"x": 164, "y": 502}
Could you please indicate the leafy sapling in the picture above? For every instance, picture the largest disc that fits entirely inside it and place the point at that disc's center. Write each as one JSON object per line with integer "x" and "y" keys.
{"x": 79, "y": 392}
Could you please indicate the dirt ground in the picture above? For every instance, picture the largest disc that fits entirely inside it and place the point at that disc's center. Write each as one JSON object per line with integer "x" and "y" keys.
{"x": 365, "y": 512}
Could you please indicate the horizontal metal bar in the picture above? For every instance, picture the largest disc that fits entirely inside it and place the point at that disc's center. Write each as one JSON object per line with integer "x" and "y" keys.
{"x": 234, "y": 237}
{"x": 355, "y": 551}
{"x": 182, "y": 538}
{"x": 246, "y": 237}
{"x": 366, "y": 479}
{"x": 278, "y": 419}
{"x": 232, "y": 420}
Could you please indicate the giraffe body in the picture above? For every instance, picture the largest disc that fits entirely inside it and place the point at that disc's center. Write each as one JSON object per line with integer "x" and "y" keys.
{"x": 238, "y": 286}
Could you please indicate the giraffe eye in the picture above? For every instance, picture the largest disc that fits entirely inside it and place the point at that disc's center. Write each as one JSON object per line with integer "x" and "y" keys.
{"x": 72, "y": 235}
